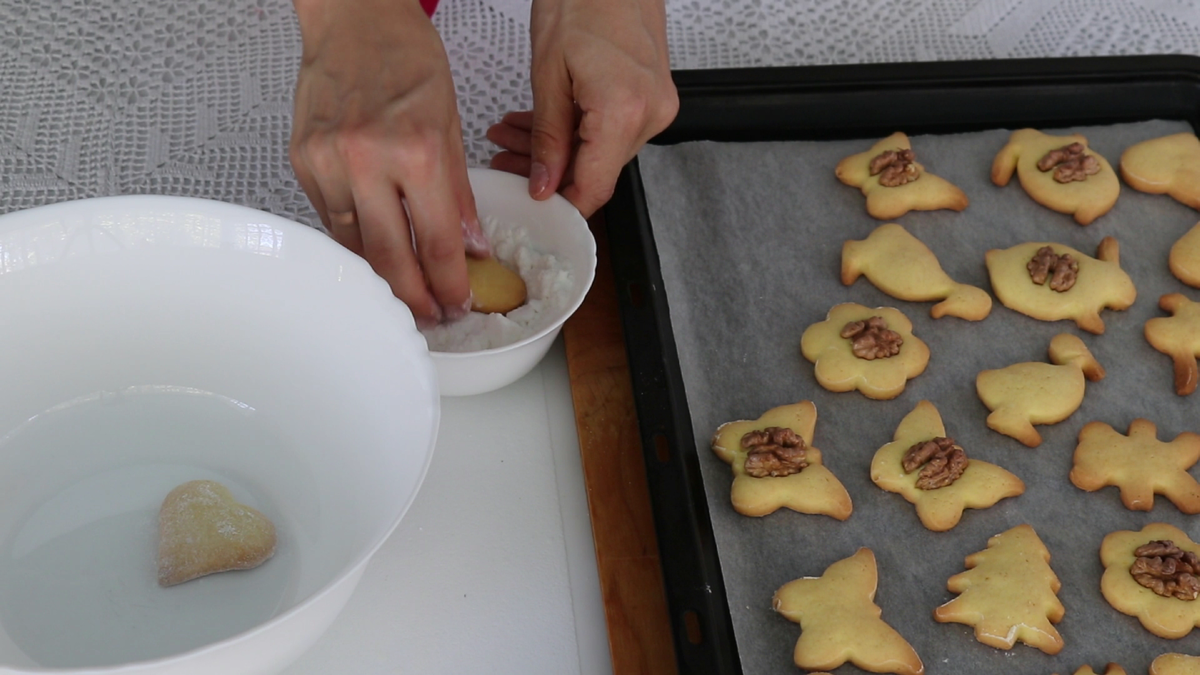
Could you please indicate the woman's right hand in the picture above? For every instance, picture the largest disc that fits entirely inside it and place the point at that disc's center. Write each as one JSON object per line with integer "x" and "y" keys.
{"x": 377, "y": 146}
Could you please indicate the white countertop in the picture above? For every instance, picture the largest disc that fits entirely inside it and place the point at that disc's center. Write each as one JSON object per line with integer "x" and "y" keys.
{"x": 493, "y": 569}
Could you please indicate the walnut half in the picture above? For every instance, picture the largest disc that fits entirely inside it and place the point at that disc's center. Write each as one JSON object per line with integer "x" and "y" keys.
{"x": 774, "y": 451}
{"x": 1167, "y": 570}
{"x": 944, "y": 460}
{"x": 1062, "y": 270}
{"x": 895, "y": 167}
{"x": 871, "y": 339}
{"x": 1069, "y": 163}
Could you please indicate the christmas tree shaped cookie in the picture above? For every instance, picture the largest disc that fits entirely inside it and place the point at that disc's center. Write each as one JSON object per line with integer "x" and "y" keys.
{"x": 1139, "y": 464}
{"x": 948, "y": 481}
{"x": 840, "y": 622}
{"x": 775, "y": 465}
{"x": 1008, "y": 593}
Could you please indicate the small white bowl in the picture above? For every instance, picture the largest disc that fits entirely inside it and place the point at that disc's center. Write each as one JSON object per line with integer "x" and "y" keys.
{"x": 148, "y": 341}
{"x": 554, "y": 227}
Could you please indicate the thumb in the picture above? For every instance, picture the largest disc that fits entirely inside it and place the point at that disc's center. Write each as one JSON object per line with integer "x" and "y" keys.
{"x": 553, "y": 129}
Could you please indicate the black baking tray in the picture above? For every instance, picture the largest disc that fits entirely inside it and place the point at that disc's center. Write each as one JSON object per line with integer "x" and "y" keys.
{"x": 823, "y": 103}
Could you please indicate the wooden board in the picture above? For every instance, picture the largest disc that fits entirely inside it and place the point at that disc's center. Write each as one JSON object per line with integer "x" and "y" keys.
{"x": 614, "y": 474}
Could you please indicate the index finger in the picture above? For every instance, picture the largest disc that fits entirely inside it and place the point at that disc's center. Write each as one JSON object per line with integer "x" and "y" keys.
{"x": 608, "y": 141}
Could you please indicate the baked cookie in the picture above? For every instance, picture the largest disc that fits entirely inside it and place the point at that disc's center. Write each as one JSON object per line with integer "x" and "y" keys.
{"x": 1175, "y": 664}
{"x": 1025, "y": 394}
{"x": 1049, "y": 282}
{"x": 840, "y": 622}
{"x": 1152, "y": 575}
{"x": 895, "y": 183}
{"x": 202, "y": 530}
{"x": 1169, "y": 165}
{"x": 1139, "y": 464}
{"x": 775, "y": 465}
{"x": 1178, "y": 336}
{"x": 1184, "y": 260}
{"x": 1110, "y": 669}
{"x": 947, "y": 481}
{"x": 1008, "y": 593}
{"x": 1059, "y": 172}
{"x": 901, "y": 266}
{"x": 871, "y": 350}
{"x": 495, "y": 289}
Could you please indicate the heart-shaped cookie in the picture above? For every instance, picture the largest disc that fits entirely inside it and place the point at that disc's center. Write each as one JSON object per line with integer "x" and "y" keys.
{"x": 202, "y": 530}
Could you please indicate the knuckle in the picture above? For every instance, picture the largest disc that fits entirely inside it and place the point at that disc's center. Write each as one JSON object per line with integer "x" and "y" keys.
{"x": 440, "y": 249}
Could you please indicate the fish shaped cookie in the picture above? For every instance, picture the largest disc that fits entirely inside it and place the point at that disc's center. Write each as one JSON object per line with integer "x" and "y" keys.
{"x": 1025, "y": 394}
{"x": 1059, "y": 172}
{"x": 904, "y": 268}
{"x": 894, "y": 183}
{"x": 1050, "y": 282}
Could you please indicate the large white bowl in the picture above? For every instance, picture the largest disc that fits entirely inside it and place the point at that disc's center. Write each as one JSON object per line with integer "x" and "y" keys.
{"x": 147, "y": 341}
{"x": 554, "y": 227}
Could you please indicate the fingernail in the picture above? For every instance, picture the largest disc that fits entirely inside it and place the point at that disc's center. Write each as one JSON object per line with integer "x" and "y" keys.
{"x": 454, "y": 313}
{"x": 433, "y": 318}
{"x": 475, "y": 241}
{"x": 539, "y": 179}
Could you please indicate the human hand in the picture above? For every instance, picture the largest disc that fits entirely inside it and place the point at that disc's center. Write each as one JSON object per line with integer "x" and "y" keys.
{"x": 601, "y": 88}
{"x": 377, "y": 146}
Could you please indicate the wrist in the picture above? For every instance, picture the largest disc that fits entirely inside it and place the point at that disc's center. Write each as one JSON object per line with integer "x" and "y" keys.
{"x": 319, "y": 19}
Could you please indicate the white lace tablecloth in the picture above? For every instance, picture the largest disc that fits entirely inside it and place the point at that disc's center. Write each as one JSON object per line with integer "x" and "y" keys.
{"x": 193, "y": 97}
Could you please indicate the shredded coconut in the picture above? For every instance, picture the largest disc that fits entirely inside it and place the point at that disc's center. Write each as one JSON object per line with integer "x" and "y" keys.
{"x": 548, "y": 284}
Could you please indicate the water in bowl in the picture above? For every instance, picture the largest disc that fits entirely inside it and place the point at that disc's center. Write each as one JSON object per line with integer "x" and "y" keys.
{"x": 78, "y": 537}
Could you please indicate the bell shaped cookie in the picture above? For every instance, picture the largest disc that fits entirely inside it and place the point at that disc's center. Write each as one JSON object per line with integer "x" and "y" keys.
{"x": 775, "y": 465}
{"x": 1025, "y": 394}
{"x": 871, "y": 350}
{"x": 1167, "y": 165}
{"x": 1051, "y": 282}
{"x": 895, "y": 183}
{"x": 939, "y": 487}
{"x": 904, "y": 268}
{"x": 1059, "y": 172}
{"x": 840, "y": 622}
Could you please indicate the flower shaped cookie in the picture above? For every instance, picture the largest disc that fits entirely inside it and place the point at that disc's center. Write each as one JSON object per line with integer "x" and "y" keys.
{"x": 1139, "y": 464}
{"x": 814, "y": 489}
{"x": 981, "y": 484}
{"x": 918, "y": 190}
{"x": 837, "y": 368}
{"x": 1166, "y": 617}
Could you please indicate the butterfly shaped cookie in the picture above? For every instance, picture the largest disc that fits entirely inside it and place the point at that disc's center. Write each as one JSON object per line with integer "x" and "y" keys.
{"x": 840, "y": 622}
{"x": 775, "y": 465}
{"x": 973, "y": 483}
{"x": 895, "y": 183}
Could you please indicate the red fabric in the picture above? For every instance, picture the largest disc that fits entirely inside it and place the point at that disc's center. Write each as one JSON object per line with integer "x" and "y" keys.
{"x": 429, "y": 6}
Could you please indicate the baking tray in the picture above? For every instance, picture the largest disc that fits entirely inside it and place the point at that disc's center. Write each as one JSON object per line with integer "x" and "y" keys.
{"x": 825, "y": 103}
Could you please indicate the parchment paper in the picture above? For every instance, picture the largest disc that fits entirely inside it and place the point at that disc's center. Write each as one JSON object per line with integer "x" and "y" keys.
{"x": 749, "y": 238}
